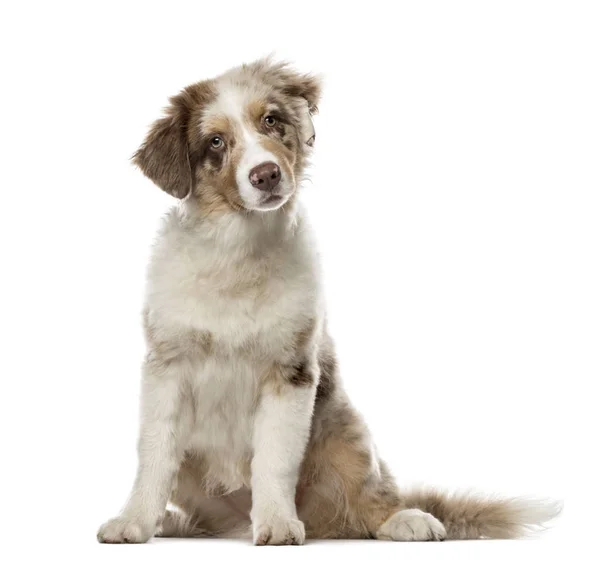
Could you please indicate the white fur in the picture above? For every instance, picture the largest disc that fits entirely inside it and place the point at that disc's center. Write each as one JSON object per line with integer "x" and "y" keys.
{"x": 231, "y": 102}
{"x": 281, "y": 432}
{"x": 195, "y": 267}
{"x": 166, "y": 422}
{"x": 412, "y": 524}
{"x": 254, "y": 154}
{"x": 203, "y": 279}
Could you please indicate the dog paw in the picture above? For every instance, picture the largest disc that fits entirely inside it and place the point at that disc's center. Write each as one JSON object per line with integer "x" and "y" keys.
{"x": 412, "y": 524}
{"x": 123, "y": 530}
{"x": 278, "y": 531}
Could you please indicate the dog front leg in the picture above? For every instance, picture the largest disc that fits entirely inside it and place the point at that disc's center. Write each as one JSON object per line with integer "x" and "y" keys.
{"x": 280, "y": 436}
{"x": 166, "y": 419}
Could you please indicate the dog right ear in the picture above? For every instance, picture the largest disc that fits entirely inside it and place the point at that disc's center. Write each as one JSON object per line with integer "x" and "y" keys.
{"x": 164, "y": 155}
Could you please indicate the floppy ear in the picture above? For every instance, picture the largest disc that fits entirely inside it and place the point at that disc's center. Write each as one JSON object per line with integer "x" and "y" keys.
{"x": 300, "y": 86}
{"x": 163, "y": 156}
{"x": 303, "y": 85}
{"x": 288, "y": 81}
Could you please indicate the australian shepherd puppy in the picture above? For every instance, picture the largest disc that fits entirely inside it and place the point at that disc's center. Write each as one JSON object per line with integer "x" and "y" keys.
{"x": 245, "y": 427}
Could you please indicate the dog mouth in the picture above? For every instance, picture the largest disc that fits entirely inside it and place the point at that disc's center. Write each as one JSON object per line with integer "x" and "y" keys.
{"x": 272, "y": 202}
{"x": 272, "y": 199}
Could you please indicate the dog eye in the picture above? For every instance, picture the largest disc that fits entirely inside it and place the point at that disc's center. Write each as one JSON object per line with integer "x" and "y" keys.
{"x": 270, "y": 120}
{"x": 216, "y": 142}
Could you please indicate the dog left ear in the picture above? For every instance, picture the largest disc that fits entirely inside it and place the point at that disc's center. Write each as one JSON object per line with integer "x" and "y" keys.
{"x": 289, "y": 81}
{"x": 306, "y": 86}
{"x": 163, "y": 157}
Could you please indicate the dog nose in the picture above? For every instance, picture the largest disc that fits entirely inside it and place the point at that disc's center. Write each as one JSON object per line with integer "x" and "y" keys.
{"x": 265, "y": 176}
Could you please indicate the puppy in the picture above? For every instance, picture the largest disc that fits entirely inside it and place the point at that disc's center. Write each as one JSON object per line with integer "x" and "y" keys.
{"x": 245, "y": 426}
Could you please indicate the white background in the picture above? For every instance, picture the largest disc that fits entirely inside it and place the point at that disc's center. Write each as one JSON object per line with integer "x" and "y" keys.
{"x": 456, "y": 194}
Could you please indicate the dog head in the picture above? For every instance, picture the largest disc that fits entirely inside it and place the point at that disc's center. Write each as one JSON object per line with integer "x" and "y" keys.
{"x": 236, "y": 142}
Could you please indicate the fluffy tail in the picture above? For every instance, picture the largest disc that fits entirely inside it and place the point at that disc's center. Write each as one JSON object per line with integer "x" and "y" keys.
{"x": 469, "y": 516}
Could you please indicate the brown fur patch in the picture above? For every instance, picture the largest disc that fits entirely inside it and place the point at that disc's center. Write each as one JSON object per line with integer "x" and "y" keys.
{"x": 164, "y": 349}
{"x": 281, "y": 377}
{"x": 287, "y": 159}
{"x": 301, "y": 376}
{"x": 164, "y": 156}
{"x": 217, "y": 125}
{"x": 287, "y": 81}
{"x": 254, "y": 111}
{"x": 219, "y": 192}
{"x": 328, "y": 370}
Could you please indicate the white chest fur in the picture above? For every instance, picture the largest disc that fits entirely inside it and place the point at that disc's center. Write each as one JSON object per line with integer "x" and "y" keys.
{"x": 225, "y": 396}
{"x": 251, "y": 288}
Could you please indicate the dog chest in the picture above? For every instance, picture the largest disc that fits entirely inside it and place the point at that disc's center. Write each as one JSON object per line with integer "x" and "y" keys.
{"x": 225, "y": 394}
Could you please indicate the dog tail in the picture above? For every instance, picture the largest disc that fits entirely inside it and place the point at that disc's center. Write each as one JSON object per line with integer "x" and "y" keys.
{"x": 469, "y": 516}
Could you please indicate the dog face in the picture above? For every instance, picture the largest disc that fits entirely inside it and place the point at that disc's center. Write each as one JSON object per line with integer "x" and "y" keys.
{"x": 237, "y": 142}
